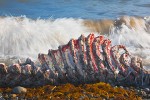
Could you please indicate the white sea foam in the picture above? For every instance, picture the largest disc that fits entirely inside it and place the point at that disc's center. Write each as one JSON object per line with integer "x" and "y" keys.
{"x": 24, "y": 37}
{"x": 136, "y": 36}
{"x": 136, "y": 39}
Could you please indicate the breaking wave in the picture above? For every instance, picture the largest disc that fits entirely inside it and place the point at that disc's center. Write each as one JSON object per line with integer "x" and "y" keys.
{"x": 24, "y": 37}
{"x": 21, "y": 36}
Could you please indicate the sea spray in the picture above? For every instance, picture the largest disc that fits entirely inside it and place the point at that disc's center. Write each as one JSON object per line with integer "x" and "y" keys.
{"x": 134, "y": 34}
{"x": 21, "y": 36}
{"x": 24, "y": 37}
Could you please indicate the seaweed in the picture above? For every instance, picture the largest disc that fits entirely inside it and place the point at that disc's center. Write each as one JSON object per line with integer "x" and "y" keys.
{"x": 95, "y": 91}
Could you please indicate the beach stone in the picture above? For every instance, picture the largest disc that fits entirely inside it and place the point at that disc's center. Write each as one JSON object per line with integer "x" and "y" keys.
{"x": 3, "y": 68}
{"x": 116, "y": 87}
{"x": 1, "y": 97}
{"x": 19, "y": 90}
{"x": 127, "y": 88}
{"x": 137, "y": 91}
{"x": 148, "y": 96}
{"x": 143, "y": 93}
{"x": 147, "y": 90}
{"x": 122, "y": 87}
{"x": 13, "y": 95}
{"x": 6, "y": 96}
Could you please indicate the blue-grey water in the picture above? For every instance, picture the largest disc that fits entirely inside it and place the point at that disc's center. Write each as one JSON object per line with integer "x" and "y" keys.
{"x": 87, "y": 9}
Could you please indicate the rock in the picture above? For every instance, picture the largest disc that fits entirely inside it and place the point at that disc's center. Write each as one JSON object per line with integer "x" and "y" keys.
{"x": 127, "y": 88}
{"x": 122, "y": 87}
{"x": 1, "y": 97}
{"x": 143, "y": 93}
{"x": 116, "y": 87}
{"x": 6, "y": 96}
{"x": 148, "y": 96}
{"x": 137, "y": 91}
{"x": 147, "y": 90}
{"x": 13, "y": 95}
{"x": 19, "y": 90}
{"x": 3, "y": 68}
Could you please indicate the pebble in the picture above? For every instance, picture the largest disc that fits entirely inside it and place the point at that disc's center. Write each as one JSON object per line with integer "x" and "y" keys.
{"x": 148, "y": 95}
{"x": 127, "y": 88}
{"x": 116, "y": 87}
{"x": 147, "y": 90}
{"x": 13, "y": 95}
{"x": 143, "y": 93}
{"x": 19, "y": 89}
{"x": 137, "y": 91}
{"x": 122, "y": 87}
{"x": 6, "y": 96}
{"x": 1, "y": 97}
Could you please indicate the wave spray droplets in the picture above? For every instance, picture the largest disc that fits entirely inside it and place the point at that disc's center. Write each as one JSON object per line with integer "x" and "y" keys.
{"x": 24, "y": 37}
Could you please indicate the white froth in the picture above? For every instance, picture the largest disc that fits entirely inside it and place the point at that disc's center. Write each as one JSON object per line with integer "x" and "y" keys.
{"x": 26, "y": 37}
{"x": 136, "y": 39}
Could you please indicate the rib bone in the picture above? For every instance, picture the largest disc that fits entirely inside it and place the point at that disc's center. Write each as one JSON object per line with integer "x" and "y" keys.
{"x": 83, "y": 60}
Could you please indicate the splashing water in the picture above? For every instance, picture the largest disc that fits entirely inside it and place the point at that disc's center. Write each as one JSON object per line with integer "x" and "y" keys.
{"x": 24, "y": 37}
{"x": 136, "y": 37}
{"x": 21, "y": 36}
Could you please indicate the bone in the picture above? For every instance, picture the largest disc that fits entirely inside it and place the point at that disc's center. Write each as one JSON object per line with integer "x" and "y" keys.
{"x": 84, "y": 60}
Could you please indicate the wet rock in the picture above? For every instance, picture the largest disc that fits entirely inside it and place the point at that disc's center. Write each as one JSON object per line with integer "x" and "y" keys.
{"x": 19, "y": 90}
{"x": 147, "y": 90}
{"x": 3, "y": 68}
{"x": 122, "y": 87}
{"x": 143, "y": 93}
{"x": 148, "y": 96}
{"x": 1, "y": 97}
{"x": 116, "y": 87}
{"x": 137, "y": 91}
{"x": 12, "y": 95}
{"x": 127, "y": 88}
{"x": 6, "y": 96}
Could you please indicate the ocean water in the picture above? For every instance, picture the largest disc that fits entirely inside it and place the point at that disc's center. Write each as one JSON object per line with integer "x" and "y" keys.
{"x": 85, "y": 9}
{"x": 29, "y": 27}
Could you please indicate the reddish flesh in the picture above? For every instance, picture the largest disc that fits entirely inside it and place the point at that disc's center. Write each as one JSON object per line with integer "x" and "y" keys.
{"x": 107, "y": 43}
{"x": 91, "y": 39}
{"x": 65, "y": 47}
{"x": 98, "y": 41}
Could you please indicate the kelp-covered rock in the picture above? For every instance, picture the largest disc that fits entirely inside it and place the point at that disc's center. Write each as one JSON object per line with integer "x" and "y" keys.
{"x": 97, "y": 91}
{"x": 84, "y": 60}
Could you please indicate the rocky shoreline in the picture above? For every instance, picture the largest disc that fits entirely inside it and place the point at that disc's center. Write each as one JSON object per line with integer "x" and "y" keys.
{"x": 97, "y": 91}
